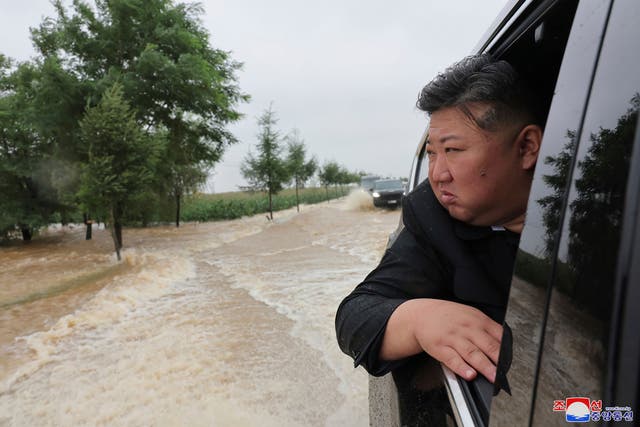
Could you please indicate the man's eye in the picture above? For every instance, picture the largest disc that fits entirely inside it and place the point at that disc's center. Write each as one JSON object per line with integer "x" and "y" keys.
{"x": 430, "y": 153}
{"x": 451, "y": 150}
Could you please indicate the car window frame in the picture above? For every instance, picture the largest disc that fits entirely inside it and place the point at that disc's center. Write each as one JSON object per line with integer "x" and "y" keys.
{"x": 419, "y": 163}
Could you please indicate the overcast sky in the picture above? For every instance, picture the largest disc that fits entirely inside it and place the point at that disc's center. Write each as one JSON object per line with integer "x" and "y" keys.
{"x": 345, "y": 73}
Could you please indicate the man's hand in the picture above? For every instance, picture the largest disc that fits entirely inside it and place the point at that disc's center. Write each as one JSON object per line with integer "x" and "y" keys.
{"x": 461, "y": 337}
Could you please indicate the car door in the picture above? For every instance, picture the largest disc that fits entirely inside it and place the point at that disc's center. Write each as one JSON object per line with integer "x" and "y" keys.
{"x": 535, "y": 267}
{"x": 566, "y": 303}
{"x": 579, "y": 355}
{"x": 547, "y": 298}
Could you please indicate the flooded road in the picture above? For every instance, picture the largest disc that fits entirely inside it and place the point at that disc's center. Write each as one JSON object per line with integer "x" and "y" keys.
{"x": 213, "y": 324}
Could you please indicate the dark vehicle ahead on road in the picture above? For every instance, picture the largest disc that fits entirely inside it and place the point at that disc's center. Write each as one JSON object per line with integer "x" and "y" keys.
{"x": 388, "y": 193}
{"x": 573, "y": 347}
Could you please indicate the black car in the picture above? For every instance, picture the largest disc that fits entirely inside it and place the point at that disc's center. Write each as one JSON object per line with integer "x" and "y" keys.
{"x": 388, "y": 192}
{"x": 571, "y": 348}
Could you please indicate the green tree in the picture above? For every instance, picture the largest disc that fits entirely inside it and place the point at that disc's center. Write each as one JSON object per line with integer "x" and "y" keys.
{"x": 121, "y": 160}
{"x": 268, "y": 170}
{"x": 172, "y": 78}
{"x": 185, "y": 178}
{"x": 28, "y": 198}
{"x": 329, "y": 175}
{"x": 344, "y": 177}
{"x": 300, "y": 169}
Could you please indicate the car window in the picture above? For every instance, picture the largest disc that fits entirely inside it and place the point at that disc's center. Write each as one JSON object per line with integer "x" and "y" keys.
{"x": 389, "y": 185}
{"x": 574, "y": 356}
{"x": 534, "y": 262}
{"x": 423, "y": 165}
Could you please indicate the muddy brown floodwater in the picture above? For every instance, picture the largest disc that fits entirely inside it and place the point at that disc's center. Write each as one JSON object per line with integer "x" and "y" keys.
{"x": 212, "y": 324}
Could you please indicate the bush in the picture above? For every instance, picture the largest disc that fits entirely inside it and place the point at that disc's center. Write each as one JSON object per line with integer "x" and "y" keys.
{"x": 215, "y": 207}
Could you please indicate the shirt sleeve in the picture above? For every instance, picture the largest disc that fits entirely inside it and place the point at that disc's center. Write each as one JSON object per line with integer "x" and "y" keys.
{"x": 407, "y": 270}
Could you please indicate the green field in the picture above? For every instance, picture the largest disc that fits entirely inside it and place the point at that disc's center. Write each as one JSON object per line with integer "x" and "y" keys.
{"x": 212, "y": 207}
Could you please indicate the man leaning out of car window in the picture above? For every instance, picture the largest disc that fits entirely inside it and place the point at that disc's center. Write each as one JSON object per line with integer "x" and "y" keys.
{"x": 442, "y": 286}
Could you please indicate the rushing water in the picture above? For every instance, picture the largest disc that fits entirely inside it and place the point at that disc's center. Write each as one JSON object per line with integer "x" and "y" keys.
{"x": 224, "y": 324}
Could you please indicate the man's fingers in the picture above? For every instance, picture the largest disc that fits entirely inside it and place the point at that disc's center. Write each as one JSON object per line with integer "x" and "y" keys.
{"x": 463, "y": 338}
{"x": 488, "y": 337}
{"x": 477, "y": 359}
{"x": 452, "y": 360}
{"x": 489, "y": 346}
{"x": 494, "y": 329}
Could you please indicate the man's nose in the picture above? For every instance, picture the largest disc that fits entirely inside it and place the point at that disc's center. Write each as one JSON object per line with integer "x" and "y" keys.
{"x": 439, "y": 169}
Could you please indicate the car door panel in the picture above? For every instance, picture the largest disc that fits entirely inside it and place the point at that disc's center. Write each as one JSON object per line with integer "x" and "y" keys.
{"x": 574, "y": 356}
{"x": 535, "y": 265}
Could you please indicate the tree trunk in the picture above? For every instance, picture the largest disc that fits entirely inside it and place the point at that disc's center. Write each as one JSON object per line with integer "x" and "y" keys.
{"x": 118, "y": 224}
{"x": 270, "y": 207}
{"x": 297, "y": 199}
{"x": 26, "y": 234}
{"x": 178, "y": 210}
{"x": 326, "y": 188}
{"x": 89, "y": 224}
{"x": 116, "y": 229}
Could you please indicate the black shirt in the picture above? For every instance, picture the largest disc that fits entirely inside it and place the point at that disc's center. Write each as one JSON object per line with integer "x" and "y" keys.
{"x": 434, "y": 256}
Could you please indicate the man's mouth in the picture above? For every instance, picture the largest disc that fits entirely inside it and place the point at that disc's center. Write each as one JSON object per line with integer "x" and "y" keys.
{"x": 446, "y": 197}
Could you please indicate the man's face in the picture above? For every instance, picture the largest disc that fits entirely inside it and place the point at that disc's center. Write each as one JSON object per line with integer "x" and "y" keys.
{"x": 477, "y": 175}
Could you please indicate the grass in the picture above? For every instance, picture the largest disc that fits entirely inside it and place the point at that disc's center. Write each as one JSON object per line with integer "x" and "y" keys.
{"x": 213, "y": 207}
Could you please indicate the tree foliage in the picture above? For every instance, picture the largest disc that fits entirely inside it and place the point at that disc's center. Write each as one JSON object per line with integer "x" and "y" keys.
{"x": 346, "y": 177}
{"x": 300, "y": 169}
{"x": 172, "y": 78}
{"x": 268, "y": 170}
{"x": 121, "y": 160}
{"x": 332, "y": 173}
{"x": 27, "y": 199}
{"x": 182, "y": 93}
{"x": 329, "y": 173}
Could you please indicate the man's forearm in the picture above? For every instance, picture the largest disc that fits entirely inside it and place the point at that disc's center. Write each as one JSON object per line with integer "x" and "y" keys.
{"x": 399, "y": 336}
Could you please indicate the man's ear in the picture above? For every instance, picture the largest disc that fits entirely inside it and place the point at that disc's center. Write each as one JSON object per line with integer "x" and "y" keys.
{"x": 528, "y": 142}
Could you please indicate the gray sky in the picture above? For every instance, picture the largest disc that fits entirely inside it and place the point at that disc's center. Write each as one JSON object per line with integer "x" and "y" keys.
{"x": 345, "y": 73}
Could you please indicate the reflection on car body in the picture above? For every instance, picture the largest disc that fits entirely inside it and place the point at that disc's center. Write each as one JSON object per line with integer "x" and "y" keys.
{"x": 572, "y": 308}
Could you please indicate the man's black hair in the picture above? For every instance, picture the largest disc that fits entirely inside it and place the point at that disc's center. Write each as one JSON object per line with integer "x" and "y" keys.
{"x": 479, "y": 79}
